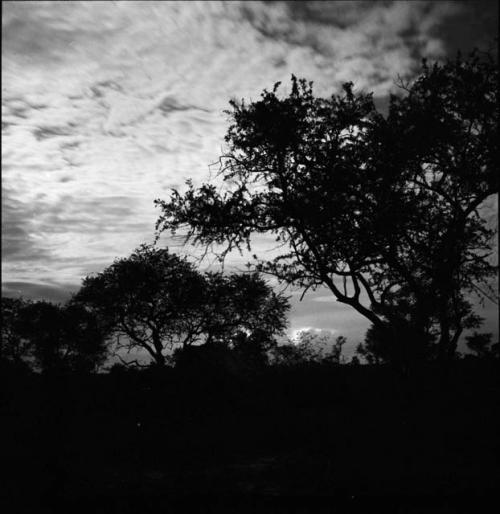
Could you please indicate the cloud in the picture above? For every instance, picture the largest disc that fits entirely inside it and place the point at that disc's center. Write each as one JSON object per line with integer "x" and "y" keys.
{"x": 324, "y": 334}
{"x": 367, "y": 42}
{"x": 18, "y": 241}
{"x": 38, "y": 291}
{"x": 329, "y": 316}
{"x": 324, "y": 299}
{"x": 66, "y": 236}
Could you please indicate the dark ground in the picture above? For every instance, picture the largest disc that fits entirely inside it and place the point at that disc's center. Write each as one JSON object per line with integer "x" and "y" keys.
{"x": 316, "y": 439}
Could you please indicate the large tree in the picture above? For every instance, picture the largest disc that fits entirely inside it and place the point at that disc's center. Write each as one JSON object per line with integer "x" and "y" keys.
{"x": 146, "y": 299}
{"x": 385, "y": 211}
{"x": 159, "y": 301}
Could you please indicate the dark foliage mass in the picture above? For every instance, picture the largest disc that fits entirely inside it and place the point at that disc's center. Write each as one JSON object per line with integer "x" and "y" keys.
{"x": 50, "y": 337}
{"x": 159, "y": 301}
{"x": 480, "y": 345}
{"x": 388, "y": 212}
{"x": 360, "y": 437}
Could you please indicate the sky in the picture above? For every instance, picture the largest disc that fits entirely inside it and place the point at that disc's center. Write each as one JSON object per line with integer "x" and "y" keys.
{"x": 108, "y": 105}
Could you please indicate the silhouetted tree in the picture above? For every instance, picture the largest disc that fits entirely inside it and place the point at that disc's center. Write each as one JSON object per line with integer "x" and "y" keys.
{"x": 159, "y": 301}
{"x": 336, "y": 353}
{"x": 13, "y": 347}
{"x": 378, "y": 347}
{"x": 446, "y": 150}
{"x": 147, "y": 298}
{"x": 320, "y": 346}
{"x": 242, "y": 306}
{"x": 43, "y": 326}
{"x": 288, "y": 354}
{"x": 384, "y": 211}
{"x": 240, "y": 317}
{"x": 52, "y": 337}
{"x": 313, "y": 346}
{"x": 480, "y": 344}
{"x": 309, "y": 347}
{"x": 86, "y": 338}
{"x": 212, "y": 358}
{"x": 252, "y": 349}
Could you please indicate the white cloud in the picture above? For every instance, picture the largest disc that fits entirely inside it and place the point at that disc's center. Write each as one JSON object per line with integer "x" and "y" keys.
{"x": 325, "y": 299}
{"x": 318, "y": 331}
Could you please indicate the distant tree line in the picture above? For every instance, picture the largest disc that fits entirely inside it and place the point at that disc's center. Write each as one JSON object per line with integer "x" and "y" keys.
{"x": 152, "y": 301}
{"x": 50, "y": 337}
{"x": 377, "y": 349}
{"x": 157, "y": 302}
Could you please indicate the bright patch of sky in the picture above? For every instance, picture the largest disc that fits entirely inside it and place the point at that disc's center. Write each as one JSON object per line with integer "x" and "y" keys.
{"x": 108, "y": 105}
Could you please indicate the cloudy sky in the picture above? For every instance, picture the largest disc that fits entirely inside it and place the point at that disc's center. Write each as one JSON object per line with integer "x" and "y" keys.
{"x": 108, "y": 105}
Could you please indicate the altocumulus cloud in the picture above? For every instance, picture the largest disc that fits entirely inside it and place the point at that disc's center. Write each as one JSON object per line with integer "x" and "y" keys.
{"x": 107, "y": 105}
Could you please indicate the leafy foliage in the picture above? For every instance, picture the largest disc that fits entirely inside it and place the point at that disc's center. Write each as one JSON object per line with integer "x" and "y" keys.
{"x": 159, "y": 301}
{"x": 309, "y": 347}
{"x": 480, "y": 344}
{"x": 149, "y": 297}
{"x": 51, "y": 337}
{"x": 242, "y": 305}
{"x": 387, "y": 212}
{"x": 13, "y": 348}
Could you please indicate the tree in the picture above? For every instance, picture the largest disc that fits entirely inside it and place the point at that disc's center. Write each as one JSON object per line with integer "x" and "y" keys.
{"x": 52, "y": 337}
{"x": 377, "y": 348}
{"x": 240, "y": 317}
{"x": 446, "y": 127}
{"x": 13, "y": 347}
{"x": 85, "y": 338}
{"x": 480, "y": 344}
{"x": 252, "y": 350}
{"x": 336, "y": 353}
{"x": 242, "y": 307}
{"x": 149, "y": 298}
{"x": 289, "y": 355}
{"x": 320, "y": 347}
{"x": 159, "y": 301}
{"x": 383, "y": 211}
{"x": 309, "y": 347}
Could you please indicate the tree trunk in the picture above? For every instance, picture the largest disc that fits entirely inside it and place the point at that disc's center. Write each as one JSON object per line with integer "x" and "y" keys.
{"x": 158, "y": 355}
{"x": 159, "y": 359}
{"x": 444, "y": 341}
{"x": 454, "y": 342}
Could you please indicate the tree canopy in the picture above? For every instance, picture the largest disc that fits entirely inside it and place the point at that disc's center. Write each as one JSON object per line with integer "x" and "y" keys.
{"x": 13, "y": 347}
{"x": 51, "y": 337}
{"x": 385, "y": 211}
{"x": 159, "y": 301}
{"x": 480, "y": 344}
